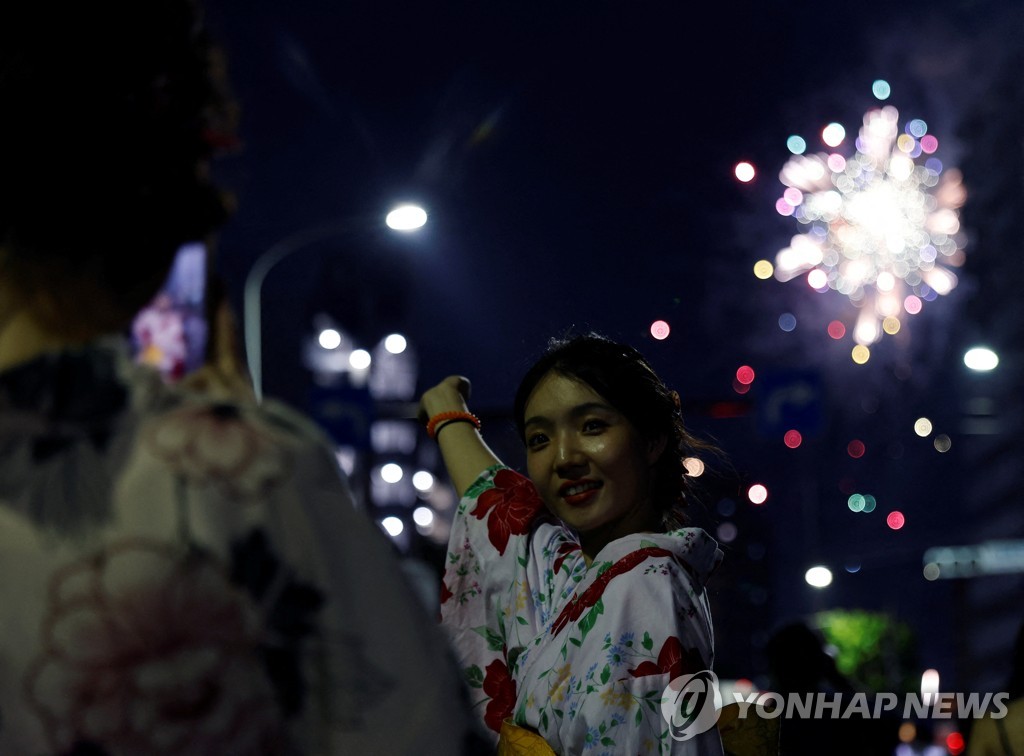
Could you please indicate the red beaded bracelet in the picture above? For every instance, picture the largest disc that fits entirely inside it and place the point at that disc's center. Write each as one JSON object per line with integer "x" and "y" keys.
{"x": 443, "y": 418}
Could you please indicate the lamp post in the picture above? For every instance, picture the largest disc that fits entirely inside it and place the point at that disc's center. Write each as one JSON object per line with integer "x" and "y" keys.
{"x": 404, "y": 218}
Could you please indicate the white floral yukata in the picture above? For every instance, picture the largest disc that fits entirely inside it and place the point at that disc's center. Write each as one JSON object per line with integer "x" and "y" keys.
{"x": 186, "y": 576}
{"x": 580, "y": 655}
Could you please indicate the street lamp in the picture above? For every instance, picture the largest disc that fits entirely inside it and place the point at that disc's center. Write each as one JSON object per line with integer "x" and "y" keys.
{"x": 409, "y": 218}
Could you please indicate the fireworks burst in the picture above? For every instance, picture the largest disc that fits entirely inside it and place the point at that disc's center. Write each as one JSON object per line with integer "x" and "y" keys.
{"x": 882, "y": 225}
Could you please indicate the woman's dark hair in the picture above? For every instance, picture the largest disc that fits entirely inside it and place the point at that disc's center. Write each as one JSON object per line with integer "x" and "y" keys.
{"x": 621, "y": 375}
{"x": 111, "y": 109}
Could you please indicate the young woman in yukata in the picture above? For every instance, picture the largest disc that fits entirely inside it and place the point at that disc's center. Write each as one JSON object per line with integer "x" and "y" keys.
{"x": 574, "y": 597}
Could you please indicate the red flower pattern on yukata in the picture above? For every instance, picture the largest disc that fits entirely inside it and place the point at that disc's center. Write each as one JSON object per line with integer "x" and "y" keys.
{"x": 674, "y": 659}
{"x": 513, "y": 504}
{"x": 592, "y": 595}
{"x": 500, "y": 686}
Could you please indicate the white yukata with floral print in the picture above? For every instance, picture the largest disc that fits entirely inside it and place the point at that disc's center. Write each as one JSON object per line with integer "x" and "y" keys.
{"x": 581, "y": 655}
{"x": 180, "y": 575}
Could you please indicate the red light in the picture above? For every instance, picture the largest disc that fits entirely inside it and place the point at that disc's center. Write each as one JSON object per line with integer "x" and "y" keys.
{"x": 745, "y": 375}
{"x": 855, "y": 449}
{"x": 895, "y": 520}
{"x": 955, "y": 743}
{"x": 836, "y": 330}
{"x": 792, "y": 439}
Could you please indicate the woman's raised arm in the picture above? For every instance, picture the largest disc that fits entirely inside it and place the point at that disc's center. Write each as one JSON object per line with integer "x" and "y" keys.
{"x": 465, "y": 453}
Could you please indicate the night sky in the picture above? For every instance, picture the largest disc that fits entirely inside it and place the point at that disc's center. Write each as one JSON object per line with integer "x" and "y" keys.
{"x": 576, "y": 161}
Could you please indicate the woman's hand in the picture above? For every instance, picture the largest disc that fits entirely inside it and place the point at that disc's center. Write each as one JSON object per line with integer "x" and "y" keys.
{"x": 465, "y": 453}
{"x": 450, "y": 395}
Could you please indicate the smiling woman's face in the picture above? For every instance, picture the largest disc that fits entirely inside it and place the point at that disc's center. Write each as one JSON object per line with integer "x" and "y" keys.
{"x": 589, "y": 463}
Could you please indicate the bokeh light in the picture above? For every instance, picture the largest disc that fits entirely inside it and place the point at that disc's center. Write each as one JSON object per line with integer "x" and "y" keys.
{"x": 869, "y": 503}
{"x": 406, "y": 218}
{"x": 660, "y": 330}
{"x": 787, "y": 322}
{"x": 855, "y": 448}
{"x": 393, "y": 526}
{"x": 796, "y": 145}
{"x": 855, "y": 503}
{"x": 391, "y": 472}
{"x": 833, "y": 134}
{"x": 818, "y": 576}
{"x": 360, "y": 359}
{"x": 923, "y": 427}
{"x": 792, "y": 439}
{"x": 757, "y": 494}
{"x": 329, "y": 338}
{"x": 880, "y": 89}
{"x": 891, "y": 326}
{"x": 395, "y": 343}
{"x": 942, "y": 443}
{"x": 860, "y": 354}
{"x": 981, "y": 359}
{"x": 423, "y": 516}
{"x": 955, "y": 743}
{"x": 694, "y": 467}
{"x": 836, "y": 330}
{"x": 912, "y": 304}
{"x": 422, "y": 481}
{"x": 744, "y": 172}
{"x": 763, "y": 269}
{"x": 745, "y": 375}
{"x": 895, "y": 520}
{"x": 726, "y": 532}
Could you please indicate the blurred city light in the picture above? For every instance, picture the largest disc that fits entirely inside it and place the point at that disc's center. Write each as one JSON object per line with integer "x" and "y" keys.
{"x": 423, "y": 516}
{"x": 359, "y": 359}
{"x": 923, "y": 427}
{"x": 395, "y": 343}
{"x": 422, "y": 481}
{"x": 895, "y": 520}
{"x": 406, "y": 218}
{"x": 855, "y": 448}
{"x": 818, "y": 577}
{"x": 942, "y": 443}
{"x": 745, "y": 375}
{"x": 792, "y": 439}
{"x": 391, "y": 473}
{"x": 329, "y": 338}
{"x": 981, "y": 359}
{"x": 787, "y": 322}
{"x": 393, "y": 526}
